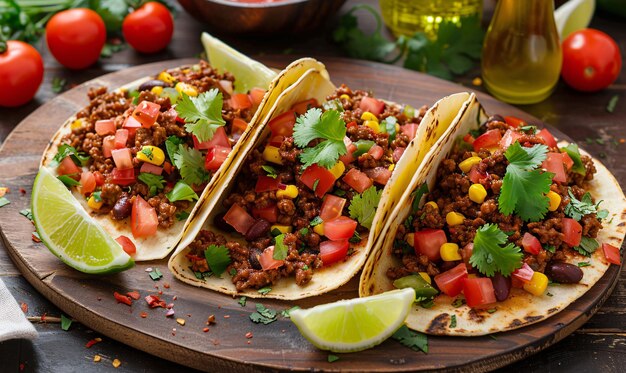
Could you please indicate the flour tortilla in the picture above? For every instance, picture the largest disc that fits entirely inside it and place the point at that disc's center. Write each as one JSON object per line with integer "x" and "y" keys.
{"x": 521, "y": 308}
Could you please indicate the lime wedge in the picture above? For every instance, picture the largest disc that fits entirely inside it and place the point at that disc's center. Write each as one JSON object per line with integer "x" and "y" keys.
{"x": 574, "y": 15}
{"x": 354, "y": 324}
{"x": 69, "y": 232}
{"x": 248, "y": 72}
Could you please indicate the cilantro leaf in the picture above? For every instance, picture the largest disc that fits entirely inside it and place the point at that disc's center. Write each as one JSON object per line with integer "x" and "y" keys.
{"x": 417, "y": 196}
{"x": 218, "y": 258}
{"x": 154, "y": 182}
{"x": 4, "y": 201}
{"x": 315, "y": 125}
{"x": 574, "y": 154}
{"x": 171, "y": 145}
{"x": 577, "y": 209}
{"x": 79, "y": 158}
{"x": 524, "y": 188}
{"x": 66, "y": 322}
{"x": 332, "y": 358}
{"x": 68, "y": 181}
{"x": 413, "y": 340}
{"x": 587, "y": 246}
{"x": 263, "y": 315}
{"x": 242, "y": 301}
{"x": 271, "y": 171}
{"x": 287, "y": 313}
{"x": 264, "y": 290}
{"x": 202, "y": 114}
{"x": 453, "y": 321}
{"x": 490, "y": 257}
{"x": 190, "y": 163}
{"x": 183, "y": 215}
{"x": 181, "y": 192}
{"x": 280, "y": 249}
{"x": 363, "y": 206}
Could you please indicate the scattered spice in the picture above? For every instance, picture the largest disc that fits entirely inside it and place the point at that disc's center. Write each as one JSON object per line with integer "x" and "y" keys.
{"x": 170, "y": 312}
{"x": 249, "y": 335}
{"x": 166, "y": 285}
{"x": 93, "y": 342}
{"x": 174, "y": 297}
{"x": 180, "y": 321}
{"x": 116, "y": 363}
{"x": 24, "y": 307}
{"x": 143, "y": 315}
{"x": 154, "y": 301}
{"x": 97, "y": 358}
{"x": 205, "y": 330}
{"x": 210, "y": 320}
{"x": 133, "y": 294}
{"x": 227, "y": 316}
{"x": 22, "y": 190}
{"x": 120, "y": 298}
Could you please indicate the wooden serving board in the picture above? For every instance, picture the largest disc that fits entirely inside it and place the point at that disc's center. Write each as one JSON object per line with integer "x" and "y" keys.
{"x": 277, "y": 346}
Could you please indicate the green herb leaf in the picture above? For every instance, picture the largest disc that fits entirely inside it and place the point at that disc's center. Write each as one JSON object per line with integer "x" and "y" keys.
{"x": 315, "y": 125}
{"x": 26, "y": 212}
{"x": 267, "y": 312}
{"x": 363, "y": 206}
{"x": 264, "y": 290}
{"x": 315, "y": 184}
{"x": 332, "y": 358}
{"x": 417, "y": 197}
{"x": 183, "y": 215}
{"x": 584, "y": 264}
{"x": 413, "y": 340}
{"x": 458, "y": 302}
{"x": 190, "y": 163}
{"x": 286, "y": 313}
{"x": 4, "y": 201}
{"x": 181, "y": 192}
{"x": 316, "y": 221}
{"x": 453, "y": 321}
{"x": 489, "y": 256}
{"x": 171, "y": 145}
{"x": 58, "y": 84}
{"x": 271, "y": 171}
{"x": 154, "y": 182}
{"x": 242, "y": 301}
{"x": 577, "y": 209}
{"x": 202, "y": 114}
{"x": 80, "y": 159}
{"x": 356, "y": 237}
{"x": 587, "y": 246}
{"x": 218, "y": 258}
{"x": 610, "y": 107}
{"x": 304, "y": 231}
{"x": 66, "y": 322}
{"x": 574, "y": 154}
{"x": 68, "y": 181}
{"x": 110, "y": 48}
{"x": 263, "y": 315}
{"x": 280, "y": 249}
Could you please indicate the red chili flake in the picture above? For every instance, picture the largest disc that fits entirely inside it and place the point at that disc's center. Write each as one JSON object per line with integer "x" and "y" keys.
{"x": 175, "y": 297}
{"x": 205, "y": 330}
{"x": 156, "y": 286}
{"x": 249, "y": 342}
{"x": 188, "y": 315}
{"x": 22, "y": 190}
{"x": 210, "y": 320}
{"x": 166, "y": 285}
{"x": 134, "y": 294}
{"x": 120, "y": 298}
{"x": 160, "y": 292}
{"x": 43, "y": 317}
{"x": 22, "y": 366}
{"x": 249, "y": 335}
{"x": 24, "y": 307}
{"x": 154, "y": 301}
{"x": 227, "y": 316}
{"x": 93, "y": 342}
{"x": 35, "y": 238}
{"x": 143, "y": 315}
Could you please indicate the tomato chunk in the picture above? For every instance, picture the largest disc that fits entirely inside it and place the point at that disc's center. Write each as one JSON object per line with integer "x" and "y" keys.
{"x": 341, "y": 228}
{"x": 318, "y": 179}
{"x": 151, "y": 169}
{"x": 372, "y": 105}
{"x": 123, "y": 177}
{"x": 215, "y": 157}
{"x": 531, "y": 244}
{"x": 220, "y": 138}
{"x": 256, "y": 96}
{"x": 409, "y": 129}
{"x": 475, "y": 175}
{"x": 68, "y": 167}
{"x": 510, "y": 136}
{"x": 488, "y": 140}
{"x": 127, "y": 245}
{"x": 105, "y": 127}
{"x": 478, "y": 292}
{"x": 376, "y": 152}
{"x": 240, "y": 101}
{"x": 282, "y": 125}
{"x": 121, "y": 137}
{"x": 567, "y": 161}
{"x": 554, "y": 164}
{"x": 266, "y": 184}
{"x": 303, "y": 106}
{"x": 143, "y": 219}
{"x": 523, "y": 274}
{"x": 357, "y": 180}
{"x": 99, "y": 178}
{"x": 572, "y": 232}
{"x": 122, "y": 158}
{"x": 380, "y": 175}
{"x": 239, "y": 218}
{"x": 108, "y": 144}
{"x": 333, "y": 251}
{"x": 332, "y": 207}
{"x": 269, "y": 213}
{"x": 397, "y": 154}
{"x": 451, "y": 281}
{"x": 146, "y": 113}
{"x": 239, "y": 126}
{"x": 547, "y": 137}
{"x": 87, "y": 182}
{"x": 428, "y": 242}
{"x": 514, "y": 122}
{"x": 611, "y": 253}
{"x": 267, "y": 261}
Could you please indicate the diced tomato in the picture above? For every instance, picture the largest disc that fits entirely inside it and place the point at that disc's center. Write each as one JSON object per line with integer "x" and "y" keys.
{"x": 428, "y": 242}
{"x": 397, "y": 154}
{"x": 282, "y": 125}
{"x": 510, "y": 136}
{"x": 87, "y": 182}
{"x": 372, "y": 105}
{"x": 269, "y": 213}
{"x": 133, "y": 294}
{"x": 516, "y": 283}
{"x": 376, "y": 152}
{"x": 333, "y": 251}
{"x": 451, "y": 281}
{"x": 554, "y": 163}
{"x": 567, "y": 161}
{"x": 239, "y": 126}
{"x": 220, "y": 138}
{"x": 267, "y": 261}
{"x": 332, "y": 207}
{"x": 239, "y": 218}
{"x": 121, "y": 137}
{"x": 127, "y": 245}
{"x": 523, "y": 274}
{"x": 108, "y": 144}
{"x": 151, "y": 169}
{"x": 531, "y": 244}
{"x": 351, "y": 124}
{"x": 227, "y": 86}
{"x": 357, "y": 180}
{"x": 240, "y": 101}
{"x": 99, "y": 178}
{"x": 266, "y": 184}
{"x": 167, "y": 167}
{"x": 488, "y": 140}
{"x": 303, "y": 106}
{"x": 123, "y": 177}
{"x": 348, "y": 157}
{"x": 122, "y": 158}
{"x": 68, "y": 167}
{"x": 215, "y": 157}
{"x": 256, "y": 96}
{"x": 318, "y": 179}
{"x": 514, "y": 122}
{"x": 143, "y": 218}
{"x": 277, "y": 141}
{"x": 547, "y": 137}
{"x": 478, "y": 292}
{"x": 341, "y": 228}
{"x": 146, "y": 113}
{"x": 572, "y": 232}
{"x": 611, "y": 253}
{"x": 380, "y": 175}
{"x": 120, "y": 298}
{"x": 154, "y": 301}
{"x": 105, "y": 127}
{"x": 476, "y": 176}
{"x": 131, "y": 124}
{"x": 410, "y": 130}
{"x": 468, "y": 138}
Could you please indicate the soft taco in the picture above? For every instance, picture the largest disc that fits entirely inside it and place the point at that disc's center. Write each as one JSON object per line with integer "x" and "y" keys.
{"x": 296, "y": 214}
{"x": 501, "y": 227}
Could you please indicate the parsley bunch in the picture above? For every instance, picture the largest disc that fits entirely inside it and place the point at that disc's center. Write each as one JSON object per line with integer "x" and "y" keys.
{"x": 327, "y": 126}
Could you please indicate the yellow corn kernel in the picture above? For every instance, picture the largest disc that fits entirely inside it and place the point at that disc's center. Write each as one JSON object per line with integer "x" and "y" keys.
{"x": 97, "y": 358}
{"x": 319, "y": 229}
{"x": 454, "y": 218}
{"x": 477, "y": 193}
{"x": 338, "y": 169}
{"x": 187, "y": 89}
{"x": 450, "y": 252}
{"x": 180, "y": 321}
{"x": 272, "y": 154}
{"x": 186, "y": 71}
{"x": 151, "y": 154}
{"x": 392, "y": 166}
{"x": 425, "y": 276}
{"x": 397, "y": 128}
{"x": 3, "y": 191}
{"x": 290, "y": 192}
{"x": 116, "y": 363}
{"x": 369, "y": 116}
{"x": 344, "y": 97}
{"x": 78, "y": 123}
{"x": 467, "y": 164}
{"x": 555, "y": 200}
{"x": 92, "y": 203}
{"x": 373, "y": 125}
{"x": 410, "y": 239}
{"x": 433, "y": 204}
{"x": 537, "y": 284}
{"x": 157, "y": 90}
{"x": 474, "y": 154}
{"x": 164, "y": 76}
{"x": 282, "y": 228}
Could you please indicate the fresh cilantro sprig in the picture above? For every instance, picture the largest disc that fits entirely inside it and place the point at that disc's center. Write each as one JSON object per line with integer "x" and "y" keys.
{"x": 171, "y": 145}
{"x": 327, "y": 126}
{"x": 413, "y": 340}
{"x": 79, "y": 158}
{"x": 154, "y": 182}
{"x": 218, "y": 258}
{"x": 181, "y": 192}
{"x": 577, "y": 209}
{"x": 202, "y": 114}
{"x": 271, "y": 171}
{"x": 417, "y": 196}
{"x": 190, "y": 163}
{"x": 363, "y": 206}
{"x": 587, "y": 246}
{"x": 263, "y": 315}
{"x": 280, "y": 249}
{"x": 489, "y": 254}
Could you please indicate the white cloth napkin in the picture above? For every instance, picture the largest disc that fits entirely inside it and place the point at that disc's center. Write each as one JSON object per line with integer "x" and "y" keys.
{"x": 13, "y": 322}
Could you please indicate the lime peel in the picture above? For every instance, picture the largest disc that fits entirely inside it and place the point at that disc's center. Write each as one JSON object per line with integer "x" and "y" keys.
{"x": 574, "y": 15}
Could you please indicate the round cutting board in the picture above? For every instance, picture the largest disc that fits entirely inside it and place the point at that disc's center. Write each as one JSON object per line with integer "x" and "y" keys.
{"x": 226, "y": 345}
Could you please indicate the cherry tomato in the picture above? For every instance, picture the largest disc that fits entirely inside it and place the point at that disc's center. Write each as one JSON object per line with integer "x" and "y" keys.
{"x": 149, "y": 28}
{"x": 75, "y": 37}
{"x": 591, "y": 60}
{"x": 21, "y": 73}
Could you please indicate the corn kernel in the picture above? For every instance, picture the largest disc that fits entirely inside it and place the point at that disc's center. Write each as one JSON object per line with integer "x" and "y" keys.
{"x": 537, "y": 284}
{"x": 467, "y": 164}
{"x": 180, "y": 321}
{"x": 116, "y": 363}
{"x": 397, "y": 128}
{"x": 3, "y": 191}
{"x": 450, "y": 252}
{"x": 433, "y": 204}
{"x": 97, "y": 358}
{"x": 151, "y": 154}
{"x": 338, "y": 169}
{"x": 392, "y": 166}
{"x": 426, "y": 277}
{"x": 373, "y": 125}
{"x": 78, "y": 123}
{"x": 369, "y": 116}
{"x": 164, "y": 76}
{"x": 344, "y": 97}
{"x": 272, "y": 154}
{"x": 92, "y": 203}
{"x": 319, "y": 229}
{"x": 187, "y": 89}
{"x": 454, "y": 218}
{"x": 157, "y": 90}
{"x": 282, "y": 228}
{"x": 477, "y": 193}
{"x": 555, "y": 200}
{"x": 410, "y": 239}
{"x": 291, "y": 191}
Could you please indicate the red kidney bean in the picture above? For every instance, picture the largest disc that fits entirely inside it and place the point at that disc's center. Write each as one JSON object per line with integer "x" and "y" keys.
{"x": 122, "y": 208}
{"x": 501, "y": 286}
{"x": 260, "y": 228}
{"x": 148, "y": 85}
{"x": 564, "y": 273}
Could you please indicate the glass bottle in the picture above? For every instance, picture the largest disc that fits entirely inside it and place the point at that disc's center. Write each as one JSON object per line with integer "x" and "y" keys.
{"x": 522, "y": 56}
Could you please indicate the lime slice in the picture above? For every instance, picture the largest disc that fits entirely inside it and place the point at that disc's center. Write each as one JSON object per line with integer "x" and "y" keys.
{"x": 248, "y": 72}
{"x": 69, "y": 232}
{"x": 354, "y": 324}
{"x": 574, "y": 15}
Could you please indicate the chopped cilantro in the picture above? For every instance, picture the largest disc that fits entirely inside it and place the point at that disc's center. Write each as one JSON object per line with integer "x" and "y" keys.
{"x": 147, "y": 152}
{"x": 584, "y": 264}
{"x": 79, "y": 158}
{"x": 271, "y": 171}
{"x": 577, "y": 209}
{"x": 202, "y": 114}
{"x": 97, "y": 196}
{"x": 492, "y": 310}
{"x": 550, "y": 248}
{"x": 171, "y": 145}
{"x": 66, "y": 322}
{"x": 315, "y": 183}
{"x": 305, "y": 267}
{"x": 26, "y": 212}
{"x": 4, "y": 201}
{"x": 427, "y": 303}
{"x": 286, "y": 313}
{"x": 413, "y": 340}
{"x": 417, "y": 196}
{"x": 489, "y": 256}
{"x": 316, "y": 221}
{"x": 232, "y": 272}
{"x": 356, "y": 237}
{"x": 181, "y": 192}
{"x": 190, "y": 163}
{"x": 154, "y": 182}
{"x": 610, "y": 107}
{"x": 263, "y": 314}
{"x": 155, "y": 274}
{"x": 363, "y": 206}
{"x": 242, "y": 301}
{"x": 453, "y": 321}
{"x": 276, "y": 232}
{"x": 529, "y": 129}
{"x": 574, "y": 154}
{"x": 218, "y": 258}
{"x": 587, "y": 246}
{"x": 458, "y": 302}
{"x": 68, "y": 181}
{"x": 280, "y": 249}
{"x": 58, "y": 84}
{"x": 304, "y": 231}
{"x": 408, "y": 223}
{"x": 340, "y": 192}
{"x": 183, "y": 215}
{"x": 327, "y": 126}
{"x": 332, "y": 358}
{"x": 404, "y": 246}
{"x": 388, "y": 125}
{"x": 333, "y": 105}
{"x": 264, "y": 290}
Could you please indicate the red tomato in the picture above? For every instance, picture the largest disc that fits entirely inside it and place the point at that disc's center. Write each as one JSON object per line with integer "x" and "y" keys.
{"x": 357, "y": 180}
{"x": 240, "y": 101}
{"x": 282, "y": 125}
{"x": 397, "y": 154}
{"x": 380, "y": 175}
{"x": 531, "y": 244}
{"x": 219, "y": 138}
{"x": 75, "y": 37}
{"x": 376, "y": 152}
{"x": 428, "y": 242}
{"x": 348, "y": 157}
{"x": 568, "y": 161}
{"x": 151, "y": 169}
{"x": 451, "y": 281}
{"x": 68, "y": 167}
{"x": 143, "y": 219}
{"x": 318, "y": 179}
{"x": 105, "y": 127}
{"x": 108, "y": 144}
{"x": 410, "y": 130}
{"x": 611, "y": 253}
{"x": 256, "y": 96}
{"x": 122, "y": 158}
{"x": 99, "y": 178}
{"x": 547, "y": 137}
{"x": 123, "y": 177}
{"x": 554, "y": 163}
{"x": 21, "y": 73}
{"x": 266, "y": 184}
{"x": 239, "y": 126}
{"x": 121, "y": 137}
{"x": 146, "y": 113}
{"x": 475, "y": 175}
{"x": 239, "y": 218}
{"x": 341, "y": 228}
{"x": 215, "y": 157}
{"x": 149, "y": 28}
{"x": 122, "y": 298}
{"x": 514, "y": 122}
{"x": 269, "y": 213}
{"x": 127, "y": 245}
{"x": 333, "y": 251}
{"x": 303, "y": 106}
{"x": 332, "y": 207}
{"x": 267, "y": 261}
{"x": 87, "y": 182}
{"x": 510, "y": 136}
{"x": 572, "y": 232}
{"x": 591, "y": 60}
{"x": 468, "y": 138}
{"x": 523, "y": 274}
{"x": 131, "y": 123}
{"x": 372, "y": 105}
{"x": 478, "y": 292}
{"x": 487, "y": 140}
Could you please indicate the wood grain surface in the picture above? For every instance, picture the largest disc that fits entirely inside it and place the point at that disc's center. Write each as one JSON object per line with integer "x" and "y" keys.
{"x": 89, "y": 299}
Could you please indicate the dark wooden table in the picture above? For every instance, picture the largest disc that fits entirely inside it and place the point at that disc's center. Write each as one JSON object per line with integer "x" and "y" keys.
{"x": 600, "y": 345}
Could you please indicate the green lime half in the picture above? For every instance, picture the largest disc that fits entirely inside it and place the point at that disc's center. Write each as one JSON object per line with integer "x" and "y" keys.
{"x": 69, "y": 232}
{"x": 574, "y": 15}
